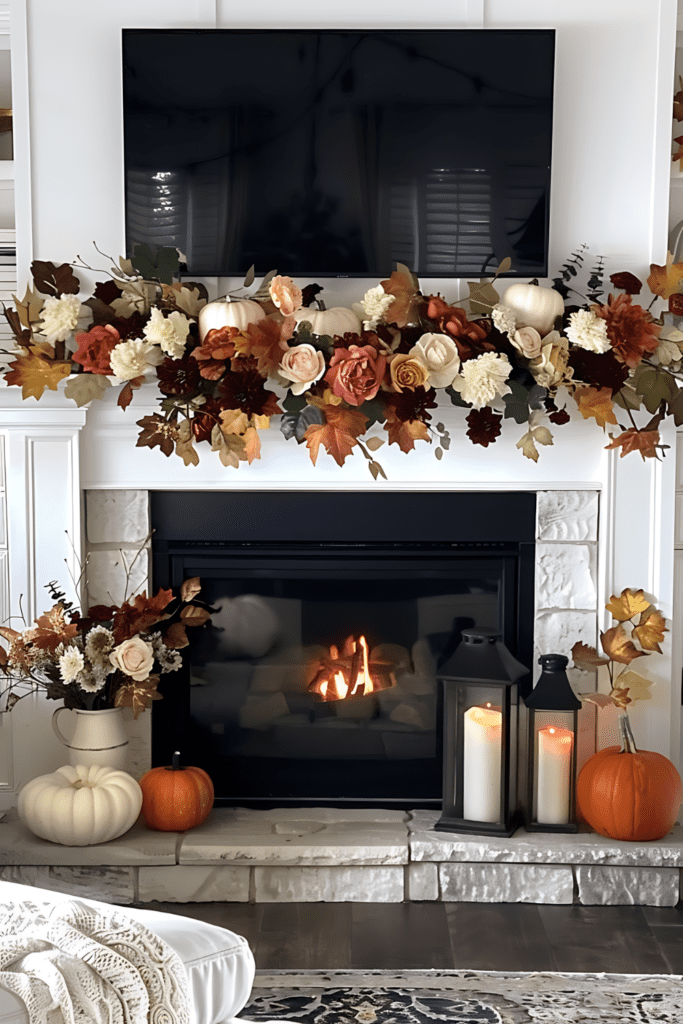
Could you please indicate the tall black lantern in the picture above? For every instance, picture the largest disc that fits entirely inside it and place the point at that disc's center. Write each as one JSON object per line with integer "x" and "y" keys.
{"x": 480, "y": 705}
{"x": 552, "y": 734}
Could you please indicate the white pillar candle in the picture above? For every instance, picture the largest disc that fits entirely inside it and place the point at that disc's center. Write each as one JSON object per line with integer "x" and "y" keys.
{"x": 481, "y": 764}
{"x": 552, "y": 775}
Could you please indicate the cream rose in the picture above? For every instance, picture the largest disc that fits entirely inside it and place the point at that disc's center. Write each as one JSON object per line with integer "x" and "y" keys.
{"x": 439, "y": 354}
{"x": 527, "y": 340}
{"x": 285, "y": 294}
{"x": 303, "y": 365}
{"x": 135, "y": 657}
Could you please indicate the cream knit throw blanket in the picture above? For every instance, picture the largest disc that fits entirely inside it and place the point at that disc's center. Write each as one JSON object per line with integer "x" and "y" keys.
{"x": 95, "y": 966}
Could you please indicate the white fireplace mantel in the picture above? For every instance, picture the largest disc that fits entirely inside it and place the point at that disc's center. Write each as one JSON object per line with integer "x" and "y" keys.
{"x": 55, "y": 452}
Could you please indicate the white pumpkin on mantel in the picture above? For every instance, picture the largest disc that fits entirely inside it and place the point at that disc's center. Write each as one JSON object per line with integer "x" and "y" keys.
{"x": 534, "y": 306}
{"x": 336, "y": 321}
{"x": 80, "y": 806}
{"x": 223, "y": 313}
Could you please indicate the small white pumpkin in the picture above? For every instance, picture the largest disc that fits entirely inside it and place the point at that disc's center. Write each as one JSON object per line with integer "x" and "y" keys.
{"x": 80, "y": 806}
{"x": 336, "y": 321}
{"x": 534, "y": 306}
{"x": 249, "y": 625}
{"x": 223, "y": 313}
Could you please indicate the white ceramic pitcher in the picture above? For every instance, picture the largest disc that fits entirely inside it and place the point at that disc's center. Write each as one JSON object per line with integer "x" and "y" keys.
{"x": 99, "y": 738}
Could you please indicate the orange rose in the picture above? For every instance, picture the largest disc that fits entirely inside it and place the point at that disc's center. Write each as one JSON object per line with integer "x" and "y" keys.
{"x": 356, "y": 373}
{"x": 408, "y": 372}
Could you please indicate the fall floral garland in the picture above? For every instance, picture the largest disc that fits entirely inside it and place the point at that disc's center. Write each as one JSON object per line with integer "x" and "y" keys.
{"x": 275, "y": 354}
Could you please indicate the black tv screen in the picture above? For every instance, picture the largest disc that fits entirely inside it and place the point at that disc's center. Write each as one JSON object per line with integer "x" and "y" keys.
{"x": 339, "y": 153}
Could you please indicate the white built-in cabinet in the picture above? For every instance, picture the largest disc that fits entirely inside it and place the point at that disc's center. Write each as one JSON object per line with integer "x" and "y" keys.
{"x": 8, "y": 263}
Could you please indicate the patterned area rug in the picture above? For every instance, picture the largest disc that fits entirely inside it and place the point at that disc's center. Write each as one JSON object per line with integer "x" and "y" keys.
{"x": 464, "y": 997}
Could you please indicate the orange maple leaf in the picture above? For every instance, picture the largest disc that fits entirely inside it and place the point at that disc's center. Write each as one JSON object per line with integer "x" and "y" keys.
{"x": 664, "y": 281}
{"x": 51, "y": 629}
{"x": 266, "y": 341}
{"x": 643, "y": 441}
{"x": 627, "y": 604}
{"x": 402, "y": 287}
{"x": 139, "y": 614}
{"x": 338, "y": 435}
{"x": 404, "y": 434}
{"x": 596, "y": 402}
{"x": 618, "y": 647}
{"x": 34, "y": 374}
{"x": 252, "y": 444}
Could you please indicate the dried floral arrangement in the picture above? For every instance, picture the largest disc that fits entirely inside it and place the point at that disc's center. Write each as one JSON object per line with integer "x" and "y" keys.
{"x": 637, "y": 632}
{"x": 347, "y": 380}
{"x": 110, "y": 657}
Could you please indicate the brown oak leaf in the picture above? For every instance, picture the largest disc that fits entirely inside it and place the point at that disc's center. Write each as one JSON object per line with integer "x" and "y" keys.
{"x": 597, "y": 403}
{"x": 633, "y": 440}
{"x": 650, "y": 630}
{"x": 34, "y": 374}
{"x": 628, "y": 604}
{"x": 587, "y": 657}
{"x": 618, "y": 647}
{"x": 338, "y": 435}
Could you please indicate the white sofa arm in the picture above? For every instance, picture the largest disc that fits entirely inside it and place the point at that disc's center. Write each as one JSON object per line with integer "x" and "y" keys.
{"x": 219, "y": 963}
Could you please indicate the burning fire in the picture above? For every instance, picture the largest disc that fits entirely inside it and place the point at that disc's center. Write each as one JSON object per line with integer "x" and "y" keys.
{"x": 351, "y": 673}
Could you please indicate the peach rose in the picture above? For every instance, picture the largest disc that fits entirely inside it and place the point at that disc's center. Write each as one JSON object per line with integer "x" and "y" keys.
{"x": 285, "y": 294}
{"x": 408, "y": 372}
{"x": 135, "y": 657}
{"x": 303, "y": 365}
{"x": 356, "y": 373}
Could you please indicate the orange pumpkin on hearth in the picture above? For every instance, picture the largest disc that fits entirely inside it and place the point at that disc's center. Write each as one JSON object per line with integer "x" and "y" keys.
{"x": 175, "y": 799}
{"x": 629, "y": 795}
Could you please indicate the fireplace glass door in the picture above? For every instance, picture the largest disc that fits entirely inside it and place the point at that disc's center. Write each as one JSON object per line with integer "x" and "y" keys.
{"x": 316, "y": 681}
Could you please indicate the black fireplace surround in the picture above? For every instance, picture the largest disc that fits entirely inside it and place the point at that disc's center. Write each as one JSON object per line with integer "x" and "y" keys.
{"x": 295, "y": 572}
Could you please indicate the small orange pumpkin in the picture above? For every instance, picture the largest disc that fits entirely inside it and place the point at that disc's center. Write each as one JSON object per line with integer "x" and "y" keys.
{"x": 629, "y": 794}
{"x": 175, "y": 799}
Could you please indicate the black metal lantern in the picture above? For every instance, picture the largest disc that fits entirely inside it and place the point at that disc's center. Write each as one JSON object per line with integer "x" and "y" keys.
{"x": 480, "y": 705}
{"x": 552, "y": 734}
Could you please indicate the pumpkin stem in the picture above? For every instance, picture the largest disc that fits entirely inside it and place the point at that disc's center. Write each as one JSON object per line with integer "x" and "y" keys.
{"x": 628, "y": 743}
{"x": 175, "y": 766}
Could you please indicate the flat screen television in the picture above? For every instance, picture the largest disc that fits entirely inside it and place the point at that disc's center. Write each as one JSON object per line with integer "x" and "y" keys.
{"x": 339, "y": 153}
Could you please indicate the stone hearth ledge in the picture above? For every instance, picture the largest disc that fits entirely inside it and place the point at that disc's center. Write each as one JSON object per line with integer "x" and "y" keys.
{"x": 336, "y": 855}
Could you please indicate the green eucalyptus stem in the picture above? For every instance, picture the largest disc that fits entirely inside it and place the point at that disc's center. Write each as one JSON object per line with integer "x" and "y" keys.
{"x": 628, "y": 743}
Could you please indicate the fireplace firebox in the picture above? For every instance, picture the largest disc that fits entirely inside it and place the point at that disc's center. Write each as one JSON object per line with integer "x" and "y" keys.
{"x": 316, "y": 680}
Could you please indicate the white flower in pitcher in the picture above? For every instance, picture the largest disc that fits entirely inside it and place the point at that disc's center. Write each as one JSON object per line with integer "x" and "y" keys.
{"x": 132, "y": 358}
{"x": 71, "y": 664}
{"x": 61, "y": 316}
{"x": 483, "y": 379}
{"x": 99, "y": 644}
{"x": 169, "y": 332}
{"x": 588, "y": 331}
{"x": 92, "y": 681}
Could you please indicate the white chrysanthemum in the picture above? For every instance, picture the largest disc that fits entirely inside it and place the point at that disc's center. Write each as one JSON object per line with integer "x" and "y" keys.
{"x": 376, "y": 302}
{"x": 169, "y": 659}
{"x": 504, "y": 318}
{"x": 588, "y": 331}
{"x": 483, "y": 379}
{"x": 71, "y": 664}
{"x": 132, "y": 358}
{"x": 169, "y": 332}
{"x": 59, "y": 317}
{"x": 92, "y": 682}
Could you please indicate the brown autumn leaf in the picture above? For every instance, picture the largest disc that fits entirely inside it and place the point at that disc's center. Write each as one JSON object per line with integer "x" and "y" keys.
{"x": 402, "y": 286}
{"x": 28, "y": 308}
{"x": 230, "y": 448}
{"x": 190, "y": 588}
{"x": 54, "y": 280}
{"x": 627, "y": 605}
{"x": 52, "y": 629}
{"x": 596, "y": 402}
{"x": 175, "y": 636}
{"x": 587, "y": 657}
{"x": 664, "y": 281}
{"x": 633, "y": 440}
{"x": 35, "y": 374}
{"x": 650, "y": 630}
{"x": 373, "y": 443}
{"x": 193, "y": 615}
{"x": 184, "y": 446}
{"x": 252, "y": 444}
{"x": 86, "y": 387}
{"x": 630, "y": 687}
{"x": 338, "y": 435}
{"x": 404, "y": 433}
{"x": 138, "y": 695}
{"x": 600, "y": 699}
{"x": 8, "y": 634}
{"x": 157, "y": 433}
{"x": 21, "y": 336}
{"x": 266, "y": 342}
{"x": 125, "y": 396}
{"x": 233, "y": 421}
{"x": 618, "y": 646}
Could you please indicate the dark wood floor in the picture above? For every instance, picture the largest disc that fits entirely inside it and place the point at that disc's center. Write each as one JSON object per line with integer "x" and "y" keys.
{"x": 491, "y": 937}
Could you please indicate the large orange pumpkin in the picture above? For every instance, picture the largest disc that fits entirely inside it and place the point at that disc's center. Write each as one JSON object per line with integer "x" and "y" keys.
{"x": 174, "y": 798}
{"x": 633, "y": 795}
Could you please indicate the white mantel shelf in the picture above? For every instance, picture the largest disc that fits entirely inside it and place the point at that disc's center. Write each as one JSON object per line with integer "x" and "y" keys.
{"x": 324, "y": 854}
